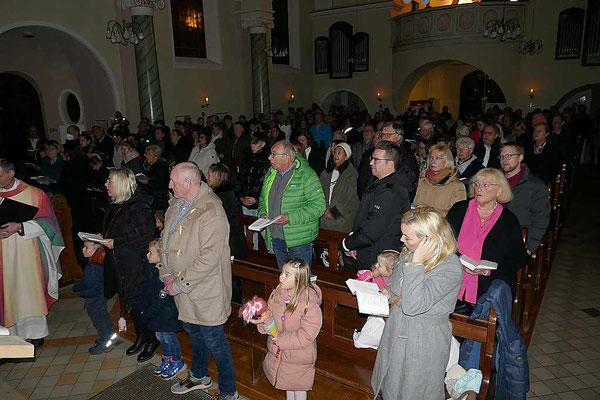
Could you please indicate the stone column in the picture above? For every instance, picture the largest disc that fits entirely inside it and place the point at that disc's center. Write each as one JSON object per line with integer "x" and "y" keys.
{"x": 261, "y": 90}
{"x": 258, "y": 22}
{"x": 146, "y": 64}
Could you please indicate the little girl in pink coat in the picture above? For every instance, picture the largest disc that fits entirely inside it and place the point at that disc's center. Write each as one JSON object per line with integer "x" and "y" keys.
{"x": 294, "y": 307}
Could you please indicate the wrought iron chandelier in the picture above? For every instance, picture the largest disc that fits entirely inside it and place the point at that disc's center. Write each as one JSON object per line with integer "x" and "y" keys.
{"x": 124, "y": 32}
{"x": 495, "y": 28}
{"x": 531, "y": 46}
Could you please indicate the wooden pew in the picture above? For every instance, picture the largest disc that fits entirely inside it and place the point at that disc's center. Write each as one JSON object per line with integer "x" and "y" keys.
{"x": 338, "y": 359}
{"x": 71, "y": 271}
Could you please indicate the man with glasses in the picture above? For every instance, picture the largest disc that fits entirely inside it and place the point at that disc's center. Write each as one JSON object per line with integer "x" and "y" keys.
{"x": 408, "y": 170}
{"x": 488, "y": 149}
{"x": 292, "y": 196}
{"x": 377, "y": 222}
{"x": 530, "y": 201}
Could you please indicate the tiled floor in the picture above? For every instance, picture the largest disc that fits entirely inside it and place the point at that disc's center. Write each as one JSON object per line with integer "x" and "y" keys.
{"x": 64, "y": 369}
{"x": 564, "y": 354}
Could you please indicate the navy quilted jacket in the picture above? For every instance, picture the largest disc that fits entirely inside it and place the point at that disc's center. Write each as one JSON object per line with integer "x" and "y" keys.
{"x": 512, "y": 378}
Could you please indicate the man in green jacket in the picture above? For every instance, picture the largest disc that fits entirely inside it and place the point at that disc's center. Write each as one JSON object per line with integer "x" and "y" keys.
{"x": 292, "y": 196}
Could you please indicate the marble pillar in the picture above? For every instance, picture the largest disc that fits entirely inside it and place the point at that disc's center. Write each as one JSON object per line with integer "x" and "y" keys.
{"x": 146, "y": 63}
{"x": 261, "y": 91}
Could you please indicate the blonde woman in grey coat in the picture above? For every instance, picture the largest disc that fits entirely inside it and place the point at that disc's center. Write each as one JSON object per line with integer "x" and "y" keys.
{"x": 415, "y": 345}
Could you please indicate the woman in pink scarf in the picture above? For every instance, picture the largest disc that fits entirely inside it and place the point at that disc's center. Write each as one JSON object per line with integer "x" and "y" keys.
{"x": 487, "y": 231}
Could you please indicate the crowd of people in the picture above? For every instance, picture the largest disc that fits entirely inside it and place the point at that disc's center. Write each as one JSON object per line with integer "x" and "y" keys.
{"x": 423, "y": 187}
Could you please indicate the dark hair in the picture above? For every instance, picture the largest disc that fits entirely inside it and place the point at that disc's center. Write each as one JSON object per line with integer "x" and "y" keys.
{"x": 227, "y": 117}
{"x": 259, "y": 137}
{"x": 6, "y": 165}
{"x": 75, "y": 128}
{"x": 86, "y": 136}
{"x": 545, "y": 125}
{"x": 177, "y": 132}
{"x": 207, "y": 134}
{"x": 392, "y": 151}
{"x": 72, "y": 150}
{"x": 515, "y": 145}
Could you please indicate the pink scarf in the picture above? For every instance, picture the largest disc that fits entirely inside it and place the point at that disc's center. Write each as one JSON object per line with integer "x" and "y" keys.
{"x": 470, "y": 243}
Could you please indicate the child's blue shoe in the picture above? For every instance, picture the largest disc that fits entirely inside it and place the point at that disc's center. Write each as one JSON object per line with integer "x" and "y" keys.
{"x": 166, "y": 361}
{"x": 175, "y": 367}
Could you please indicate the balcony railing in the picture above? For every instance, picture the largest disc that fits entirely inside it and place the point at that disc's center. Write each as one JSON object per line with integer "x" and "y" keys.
{"x": 466, "y": 21}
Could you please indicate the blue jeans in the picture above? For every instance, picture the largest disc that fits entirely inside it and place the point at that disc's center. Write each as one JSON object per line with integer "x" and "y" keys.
{"x": 203, "y": 339}
{"x": 98, "y": 313}
{"x": 284, "y": 253}
{"x": 170, "y": 344}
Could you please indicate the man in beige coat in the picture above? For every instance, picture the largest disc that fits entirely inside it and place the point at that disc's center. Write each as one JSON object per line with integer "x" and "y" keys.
{"x": 197, "y": 272}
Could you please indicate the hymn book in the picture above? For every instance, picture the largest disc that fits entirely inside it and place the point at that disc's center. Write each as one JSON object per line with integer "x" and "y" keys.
{"x": 370, "y": 300}
{"x": 473, "y": 265}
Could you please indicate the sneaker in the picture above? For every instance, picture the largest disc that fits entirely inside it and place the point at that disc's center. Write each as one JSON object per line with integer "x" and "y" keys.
{"x": 235, "y": 396}
{"x": 191, "y": 383}
{"x": 163, "y": 365}
{"x": 173, "y": 369}
{"x": 104, "y": 346}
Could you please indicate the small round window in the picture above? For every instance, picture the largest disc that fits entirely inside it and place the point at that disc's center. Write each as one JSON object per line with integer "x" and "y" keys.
{"x": 71, "y": 109}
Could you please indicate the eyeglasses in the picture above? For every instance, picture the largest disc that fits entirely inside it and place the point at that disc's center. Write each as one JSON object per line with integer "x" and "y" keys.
{"x": 380, "y": 159}
{"x": 277, "y": 154}
{"x": 432, "y": 158}
{"x": 484, "y": 186}
{"x": 382, "y": 135}
{"x": 507, "y": 156}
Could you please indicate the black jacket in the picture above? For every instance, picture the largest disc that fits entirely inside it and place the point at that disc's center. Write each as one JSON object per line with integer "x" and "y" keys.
{"x": 316, "y": 158}
{"x": 377, "y": 221}
{"x": 233, "y": 209}
{"x": 131, "y": 225}
{"x": 531, "y": 206}
{"x": 181, "y": 151}
{"x": 503, "y": 245}
{"x": 471, "y": 170}
{"x": 546, "y": 164}
{"x": 408, "y": 171}
{"x": 493, "y": 161}
{"x": 160, "y": 313}
{"x": 251, "y": 174}
{"x": 158, "y": 184}
{"x": 239, "y": 147}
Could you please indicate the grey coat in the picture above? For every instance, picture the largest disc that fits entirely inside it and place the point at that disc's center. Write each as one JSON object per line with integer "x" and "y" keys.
{"x": 415, "y": 345}
{"x": 343, "y": 197}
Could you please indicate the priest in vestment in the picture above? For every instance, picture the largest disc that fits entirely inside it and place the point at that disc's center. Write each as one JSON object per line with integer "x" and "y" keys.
{"x": 30, "y": 244}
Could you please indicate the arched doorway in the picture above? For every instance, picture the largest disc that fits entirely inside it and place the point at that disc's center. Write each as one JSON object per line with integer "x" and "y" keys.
{"x": 438, "y": 83}
{"x": 478, "y": 91}
{"x": 343, "y": 98}
{"x": 64, "y": 68}
{"x": 20, "y": 107}
{"x": 588, "y": 95}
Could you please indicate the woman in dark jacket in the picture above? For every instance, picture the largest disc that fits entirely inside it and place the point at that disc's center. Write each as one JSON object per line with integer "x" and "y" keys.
{"x": 251, "y": 171}
{"x": 218, "y": 180}
{"x": 542, "y": 155}
{"x": 128, "y": 229}
{"x": 157, "y": 184}
{"x": 76, "y": 176}
{"x": 486, "y": 231}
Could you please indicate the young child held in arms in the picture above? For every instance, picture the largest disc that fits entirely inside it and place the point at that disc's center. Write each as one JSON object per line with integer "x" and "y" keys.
{"x": 161, "y": 316}
{"x": 91, "y": 289}
{"x": 294, "y": 307}
{"x": 382, "y": 270}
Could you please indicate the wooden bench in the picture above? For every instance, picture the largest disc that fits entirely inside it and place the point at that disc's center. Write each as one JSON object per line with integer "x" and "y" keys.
{"x": 338, "y": 359}
{"x": 71, "y": 271}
